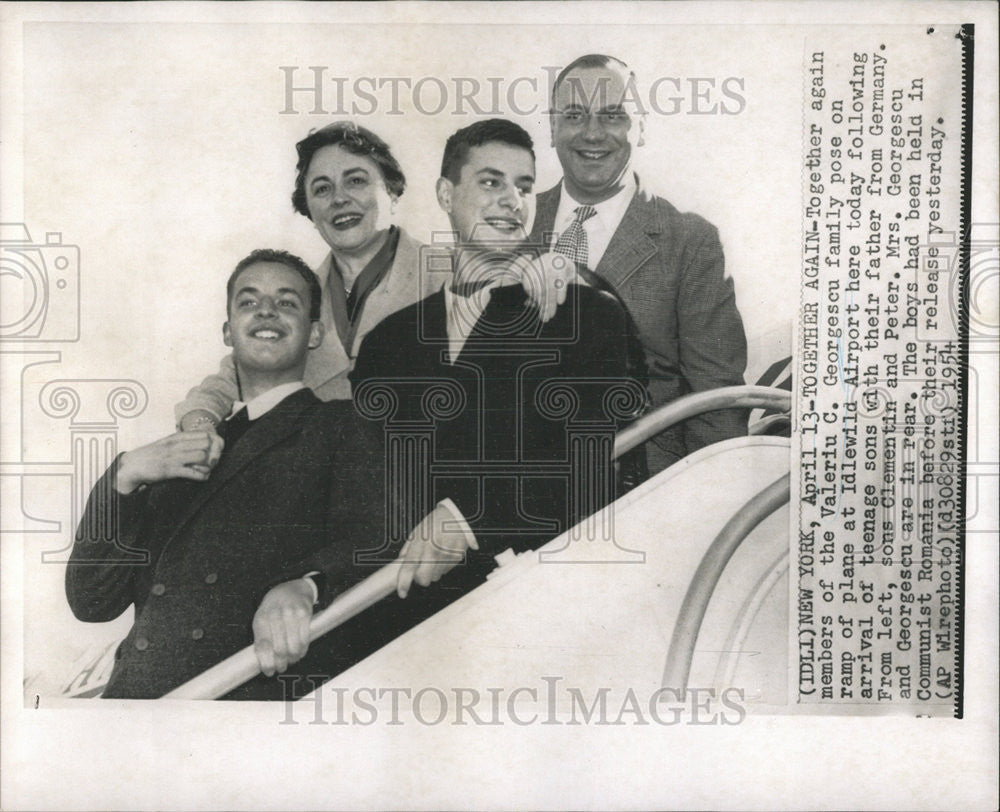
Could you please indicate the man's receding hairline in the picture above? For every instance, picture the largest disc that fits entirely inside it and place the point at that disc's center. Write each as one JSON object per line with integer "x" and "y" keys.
{"x": 240, "y": 290}
{"x": 283, "y": 265}
{"x": 594, "y": 62}
{"x": 575, "y": 83}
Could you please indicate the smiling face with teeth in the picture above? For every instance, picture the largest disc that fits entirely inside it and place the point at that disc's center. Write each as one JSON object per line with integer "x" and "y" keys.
{"x": 347, "y": 200}
{"x": 491, "y": 204}
{"x": 269, "y": 326}
{"x": 593, "y": 132}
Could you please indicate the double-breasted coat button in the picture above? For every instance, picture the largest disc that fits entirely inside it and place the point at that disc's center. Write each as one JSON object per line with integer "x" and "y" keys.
{"x": 211, "y": 578}
{"x": 159, "y": 589}
{"x": 197, "y": 634}
{"x": 141, "y": 643}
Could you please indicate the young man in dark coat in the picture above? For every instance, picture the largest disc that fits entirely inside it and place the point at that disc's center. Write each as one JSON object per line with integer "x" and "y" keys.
{"x": 507, "y": 419}
{"x": 218, "y": 548}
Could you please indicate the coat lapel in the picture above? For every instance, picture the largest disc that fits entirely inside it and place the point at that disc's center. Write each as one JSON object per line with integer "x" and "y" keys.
{"x": 393, "y": 292}
{"x": 545, "y": 217}
{"x": 432, "y": 329}
{"x": 411, "y": 278}
{"x": 272, "y": 428}
{"x": 632, "y": 244}
{"x": 329, "y": 359}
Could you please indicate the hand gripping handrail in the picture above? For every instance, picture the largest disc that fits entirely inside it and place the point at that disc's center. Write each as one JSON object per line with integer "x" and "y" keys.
{"x": 242, "y": 666}
{"x": 706, "y": 578}
{"x": 729, "y": 397}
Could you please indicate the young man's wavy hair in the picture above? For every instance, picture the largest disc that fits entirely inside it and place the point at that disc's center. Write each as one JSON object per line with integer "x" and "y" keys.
{"x": 282, "y": 258}
{"x": 490, "y": 131}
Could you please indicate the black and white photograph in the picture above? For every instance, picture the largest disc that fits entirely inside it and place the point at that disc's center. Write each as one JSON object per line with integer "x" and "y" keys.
{"x": 499, "y": 405}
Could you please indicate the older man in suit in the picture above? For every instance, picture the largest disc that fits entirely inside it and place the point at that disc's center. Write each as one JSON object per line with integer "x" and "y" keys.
{"x": 217, "y": 548}
{"x": 667, "y": 266}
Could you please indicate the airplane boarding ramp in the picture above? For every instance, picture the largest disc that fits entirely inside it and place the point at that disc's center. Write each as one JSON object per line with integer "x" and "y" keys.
{"x": 602, "y": 613}
{"x": 680, "y": 585}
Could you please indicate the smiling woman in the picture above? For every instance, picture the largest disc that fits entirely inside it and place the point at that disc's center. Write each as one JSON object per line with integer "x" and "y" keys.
{"x": 347, "y": 183}
{"x": 349, "y": 204}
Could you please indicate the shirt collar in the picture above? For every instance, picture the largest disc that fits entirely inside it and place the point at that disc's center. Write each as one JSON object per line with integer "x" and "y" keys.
{"x": 262, "y": 404}
{"x": 463, "y": 312}
{"x": 609, "y": 212}
{"x": 478, "y": 299}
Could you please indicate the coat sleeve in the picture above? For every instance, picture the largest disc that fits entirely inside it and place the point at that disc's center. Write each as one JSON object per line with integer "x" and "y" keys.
{"x": 385, "y": 357}
{"x": 106, "y": 557}
{"x": 215, "y": 394}
{"x": 369, "y": 363}
{"x": 356, "y": 510}
{"x": 601, "y": 353}
{"x": 608, "y": 396}
{"x": 712, "y": 343}
{"x": 571, "y": 405}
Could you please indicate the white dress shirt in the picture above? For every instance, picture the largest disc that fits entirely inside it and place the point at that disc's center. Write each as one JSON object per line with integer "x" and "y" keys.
{"x": 602, "y": 226}
{"x": 262, "y": 404}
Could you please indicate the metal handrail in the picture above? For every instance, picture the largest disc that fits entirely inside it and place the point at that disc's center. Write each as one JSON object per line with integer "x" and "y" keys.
{"x": 242, "y": 666}
{"x": 682, "y": 643}
{"x": 729, "y": 397}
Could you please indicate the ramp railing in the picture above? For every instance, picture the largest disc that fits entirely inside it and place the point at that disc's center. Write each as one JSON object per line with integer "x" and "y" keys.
{"x": 241, "y": 667}
{"x": 682, "y": 643}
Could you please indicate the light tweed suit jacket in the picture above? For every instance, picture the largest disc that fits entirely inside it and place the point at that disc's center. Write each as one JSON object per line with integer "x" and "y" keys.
{"x": 668, "y": 268}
